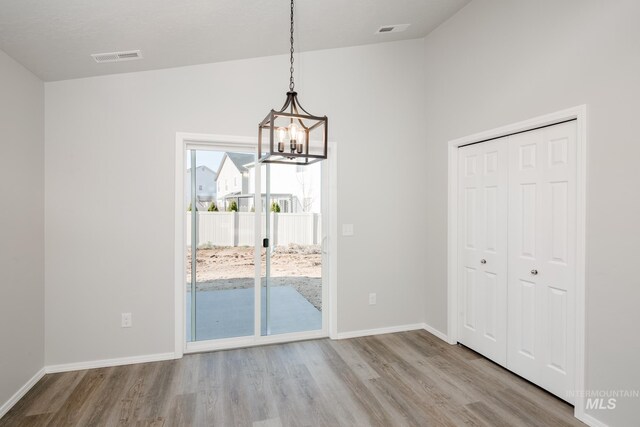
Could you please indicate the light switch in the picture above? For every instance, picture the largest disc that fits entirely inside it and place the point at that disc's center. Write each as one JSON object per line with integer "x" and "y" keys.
{"x": 127, "y": 320}
{"x": 347, "y": 229}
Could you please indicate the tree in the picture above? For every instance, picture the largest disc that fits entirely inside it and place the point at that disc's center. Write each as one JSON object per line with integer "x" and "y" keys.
{"x": 213, "y": 207}
{"x": 308, "y": 193}
{"x": 275, "y": 207}
{"x": 233, "y": 206}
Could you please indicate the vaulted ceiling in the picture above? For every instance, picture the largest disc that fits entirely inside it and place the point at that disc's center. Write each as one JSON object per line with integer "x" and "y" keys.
{"x": 54, "y": 39}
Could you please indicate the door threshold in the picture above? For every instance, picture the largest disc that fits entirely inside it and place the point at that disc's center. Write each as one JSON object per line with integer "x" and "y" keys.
{"x": 250, "y": 341}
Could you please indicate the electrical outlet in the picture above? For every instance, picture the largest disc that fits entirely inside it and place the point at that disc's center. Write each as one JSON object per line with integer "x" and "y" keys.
{"x": 372, "y": 299}
{"x": 127, "y": 320}
{"x": 347, "y": 229}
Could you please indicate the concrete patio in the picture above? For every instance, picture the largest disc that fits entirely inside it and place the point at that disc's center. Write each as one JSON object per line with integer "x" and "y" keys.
{"x": 230, "y": 313}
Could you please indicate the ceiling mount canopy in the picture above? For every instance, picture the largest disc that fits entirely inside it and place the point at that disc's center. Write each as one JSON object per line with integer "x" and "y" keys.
{"x": 292, "y": 135}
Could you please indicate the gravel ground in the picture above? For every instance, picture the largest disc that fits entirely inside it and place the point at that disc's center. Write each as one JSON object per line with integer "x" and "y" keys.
{"x": 298, "y": 266}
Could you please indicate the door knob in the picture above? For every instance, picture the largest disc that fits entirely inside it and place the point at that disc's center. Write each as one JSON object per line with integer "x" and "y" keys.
{"x": 483, "y": 261}
{"x": 534, "y": 272}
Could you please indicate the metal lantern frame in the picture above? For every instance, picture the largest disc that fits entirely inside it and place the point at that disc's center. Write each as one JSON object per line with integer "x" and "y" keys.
{"x": 300, "y": 153}
{"x": 294, "y": 113}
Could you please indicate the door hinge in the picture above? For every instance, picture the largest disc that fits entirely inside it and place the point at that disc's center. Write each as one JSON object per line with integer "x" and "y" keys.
{"x": 265, "y": 243}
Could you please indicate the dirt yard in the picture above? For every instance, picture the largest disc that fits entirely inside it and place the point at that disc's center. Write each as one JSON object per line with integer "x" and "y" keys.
{"x": 298, "y": 266}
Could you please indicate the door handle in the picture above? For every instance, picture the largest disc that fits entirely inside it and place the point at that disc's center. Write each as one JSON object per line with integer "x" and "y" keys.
{"x": 534, "y": 272}
{"x": 483, "y": 261}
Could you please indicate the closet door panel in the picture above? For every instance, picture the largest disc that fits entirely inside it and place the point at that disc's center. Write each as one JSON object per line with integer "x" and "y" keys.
{"x": 542, "y": 209}
{"x": 557, "y": 274}
{"x": 469, "y": 220}
{"x": 524, "y": 309}
{"x": 483, "y": 248}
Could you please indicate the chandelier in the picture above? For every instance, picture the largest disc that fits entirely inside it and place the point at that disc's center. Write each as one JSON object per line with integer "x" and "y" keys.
{"x": 292, "y": 135}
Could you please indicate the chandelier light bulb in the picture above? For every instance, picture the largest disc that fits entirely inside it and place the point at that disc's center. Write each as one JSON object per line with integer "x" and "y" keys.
{"x": 301, "y": 138}
{"x": 293, "y": 134}
{"x": 293, "y": 131}
{"x": 282, "y": 134}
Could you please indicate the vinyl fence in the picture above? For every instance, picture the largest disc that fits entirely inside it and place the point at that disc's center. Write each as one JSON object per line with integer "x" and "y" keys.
{"x": 238, "y": 228}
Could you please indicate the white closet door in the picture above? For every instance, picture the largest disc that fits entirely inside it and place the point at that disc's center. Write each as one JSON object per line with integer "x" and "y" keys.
{"x": 542, "y": 238}
{"x": 482, "y": 244}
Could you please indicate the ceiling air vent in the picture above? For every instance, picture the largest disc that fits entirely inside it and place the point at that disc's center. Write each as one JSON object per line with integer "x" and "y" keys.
{"x": 117, "y": 56}
{"x": 392, "y": 28}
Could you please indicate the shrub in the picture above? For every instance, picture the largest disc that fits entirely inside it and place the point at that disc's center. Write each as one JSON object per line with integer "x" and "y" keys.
{"x": 233, "y": 206}
{"x": 275, "y": 207}
{"x": 212, "y": 207}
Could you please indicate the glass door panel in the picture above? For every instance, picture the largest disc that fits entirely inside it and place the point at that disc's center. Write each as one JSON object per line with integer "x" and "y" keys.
{"x": 220, "y": 270}
{"x": 292, "y": 255}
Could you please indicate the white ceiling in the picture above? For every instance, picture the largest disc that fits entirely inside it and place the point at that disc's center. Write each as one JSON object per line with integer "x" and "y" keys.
{"x": 54, "y": 38}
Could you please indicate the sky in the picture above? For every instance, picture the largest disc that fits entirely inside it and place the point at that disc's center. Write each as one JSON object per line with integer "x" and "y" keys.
{"x": 211, "y": 159}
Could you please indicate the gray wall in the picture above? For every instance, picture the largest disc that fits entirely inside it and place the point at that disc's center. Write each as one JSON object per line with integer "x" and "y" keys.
{"x": 498, "y": 62}
{"x": 98, "y": 128}
{"x": 21, "y": 226}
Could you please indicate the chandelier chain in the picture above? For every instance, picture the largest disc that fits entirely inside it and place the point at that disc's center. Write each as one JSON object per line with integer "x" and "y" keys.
{"x": 291, "y": 82}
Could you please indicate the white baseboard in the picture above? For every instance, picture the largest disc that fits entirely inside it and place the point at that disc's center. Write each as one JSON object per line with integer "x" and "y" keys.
{"x": 393, "y": 329}
{"x": 105, "y": 363}
{"x": 435, "y": 332}
{"x": 20, "y": 393}
{"x": 379, "y": 331}
{"x": 591, "y": 421}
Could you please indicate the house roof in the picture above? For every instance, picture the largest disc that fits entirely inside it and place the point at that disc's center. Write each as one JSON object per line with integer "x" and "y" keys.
{"x": 201, "y": 167}
{"x": 238, "y": 159}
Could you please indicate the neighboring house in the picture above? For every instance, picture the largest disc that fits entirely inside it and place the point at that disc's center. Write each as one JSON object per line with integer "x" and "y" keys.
{"x": 233, "y": 181}
{"x": 205, "y": 187}
{"x": 294, "y": 188}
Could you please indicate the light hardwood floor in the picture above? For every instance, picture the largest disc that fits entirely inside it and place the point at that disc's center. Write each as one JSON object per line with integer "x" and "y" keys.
{"x": 409, "y": 378}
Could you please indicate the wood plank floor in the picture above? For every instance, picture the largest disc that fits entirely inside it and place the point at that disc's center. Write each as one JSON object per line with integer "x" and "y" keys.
{"x": 403, "y": 379}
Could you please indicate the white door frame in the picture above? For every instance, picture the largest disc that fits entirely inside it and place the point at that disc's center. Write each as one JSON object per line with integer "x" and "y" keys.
{"x": 329, "y": 291}
{"x": 578, "y": 113}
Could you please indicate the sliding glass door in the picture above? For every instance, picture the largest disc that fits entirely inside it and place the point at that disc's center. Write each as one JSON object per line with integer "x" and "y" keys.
{"x": 292, "y": 249}
{"x": 240, "y": 215}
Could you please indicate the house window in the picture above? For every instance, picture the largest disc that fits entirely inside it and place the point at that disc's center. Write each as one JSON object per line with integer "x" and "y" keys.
{"x": 235, "y": 181}
{"x": 226, "y": 185}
